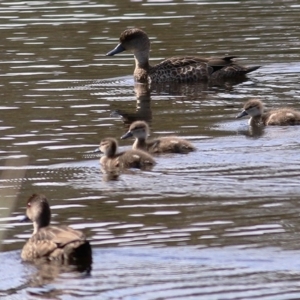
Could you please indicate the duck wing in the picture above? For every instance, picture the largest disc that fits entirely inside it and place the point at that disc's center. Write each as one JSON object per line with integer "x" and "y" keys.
{"x": 182, "y": 69}
{"x": 282, "y": 116}
{"x": 169, "y": 144}
{"x": 62, "y": 235}
{"x": 135, "y": 159}
{"x": 50, "y": 239}
{"x": 195, "y": 68}
{"x": 228, "y": 68}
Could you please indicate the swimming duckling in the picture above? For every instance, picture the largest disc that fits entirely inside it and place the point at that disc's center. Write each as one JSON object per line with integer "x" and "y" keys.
{"x": 282, "y": 116}
{"x": 169, "y": 144}
{"x": 179, "y": 69}
{"x": 126, "y": 159}
{"x": 60, "y": 243}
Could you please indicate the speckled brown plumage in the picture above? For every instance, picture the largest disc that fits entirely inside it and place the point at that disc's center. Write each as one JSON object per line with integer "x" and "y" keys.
{"x": 178, "y": 69}
{"x": 169, "y": 144}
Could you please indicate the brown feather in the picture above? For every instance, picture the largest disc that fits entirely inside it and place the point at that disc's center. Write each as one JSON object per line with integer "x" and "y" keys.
{"x": 169, "y": 144}
{"x": 281, "y": 116}
{"x": 177, "y": 69}
{"x": 126, "y": 159}
{"x": 61, "y": 243}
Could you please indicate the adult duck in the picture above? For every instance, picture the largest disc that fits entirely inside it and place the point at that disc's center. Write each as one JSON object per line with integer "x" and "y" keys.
{"x": 178, "y": 69}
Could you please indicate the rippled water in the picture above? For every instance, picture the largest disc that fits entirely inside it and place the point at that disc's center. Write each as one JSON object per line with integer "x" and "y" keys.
{"x": 218, "y": 223}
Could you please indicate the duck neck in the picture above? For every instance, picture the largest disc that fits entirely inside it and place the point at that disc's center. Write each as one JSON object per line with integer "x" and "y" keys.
{"x": 255, "y": 121}
{"x": 142, "y": 66}
{"x": 140, "y": 143}
{"x": 43, "y": 222}
{"x": 111, "y": 151}
{"x": 35, "y": 228}
{"x": 142, "y": 60}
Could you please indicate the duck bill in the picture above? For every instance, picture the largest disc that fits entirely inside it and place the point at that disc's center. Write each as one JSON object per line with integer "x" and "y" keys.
{"x": 242, "y": 114}
{"x": 25, "y": 219}
{"x": 97, "y": 150}
{"x": 115, "y": 114}
{"x": 117, "y": 50}
{"x": 126, "y": 135}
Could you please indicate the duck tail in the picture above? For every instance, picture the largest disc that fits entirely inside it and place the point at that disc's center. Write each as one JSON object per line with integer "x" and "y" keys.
{"x": 229, "y": 59}
{"x": 251, "y": 69}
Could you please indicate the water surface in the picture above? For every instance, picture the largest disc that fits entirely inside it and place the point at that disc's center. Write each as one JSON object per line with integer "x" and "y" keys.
{"x": 218, "y": 223}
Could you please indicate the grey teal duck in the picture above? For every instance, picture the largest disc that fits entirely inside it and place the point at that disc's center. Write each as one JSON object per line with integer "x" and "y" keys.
{"x": 178, "y": 69}
{"x": 170, "y": 144}
{"x": 281, "y": 116}
{"x": 59, "y": 243}
{"x": 127, "y": 159}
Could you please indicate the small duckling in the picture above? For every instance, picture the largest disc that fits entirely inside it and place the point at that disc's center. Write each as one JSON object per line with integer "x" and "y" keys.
{"x": 169, "y": 144}
{"x": 59, "y": 243}
{"x": 126, "y": 159}
{"x": 282, "y": 116}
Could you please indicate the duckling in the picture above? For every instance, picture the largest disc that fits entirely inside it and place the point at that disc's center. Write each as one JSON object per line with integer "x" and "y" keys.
{"x": 282, "y": 116}
{"x": 127, "y": 159}
{"x": 169, "y": 144}
{"x": 59, "y": 243}
{"x": 178, "y": 69}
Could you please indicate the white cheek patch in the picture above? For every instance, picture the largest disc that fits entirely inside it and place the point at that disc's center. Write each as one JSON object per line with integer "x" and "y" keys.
{"x": 136, "y": 156}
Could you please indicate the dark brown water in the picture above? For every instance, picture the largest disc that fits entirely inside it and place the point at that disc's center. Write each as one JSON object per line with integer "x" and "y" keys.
{"x": 219, "y": 223}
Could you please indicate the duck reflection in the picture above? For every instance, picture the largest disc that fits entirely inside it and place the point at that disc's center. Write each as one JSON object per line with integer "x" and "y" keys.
{"x": 195, "y": 90}
{"x": 47, "y": 272}
{"x": 253, "y": 132}
{"x": 112, "y": 174}
{"x": 143, "y": 106}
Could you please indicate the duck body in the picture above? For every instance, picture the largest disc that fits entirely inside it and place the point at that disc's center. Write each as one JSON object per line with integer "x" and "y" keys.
{"x": 59, "y": 243}
{"x": 280, "y": 117}
{"x": 123, "y": 160}
{"x": 193, "y": 69}
{"x": 169, "y": 144}
{"x": 176, "y": 69}
{"x": 55, "y": 243}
